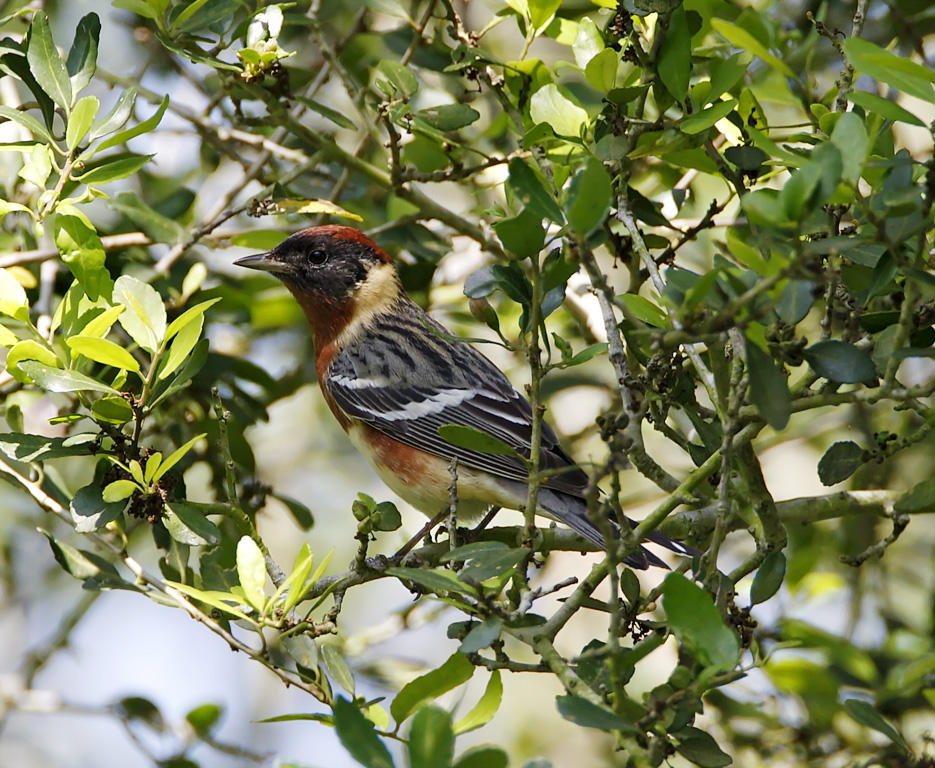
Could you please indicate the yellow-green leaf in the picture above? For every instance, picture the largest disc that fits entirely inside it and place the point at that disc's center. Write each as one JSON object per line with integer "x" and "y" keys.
{"x": 103, "y": 351}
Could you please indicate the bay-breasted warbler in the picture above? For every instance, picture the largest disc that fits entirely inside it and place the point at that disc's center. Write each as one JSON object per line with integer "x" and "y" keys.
{"x": 392, "y": 377}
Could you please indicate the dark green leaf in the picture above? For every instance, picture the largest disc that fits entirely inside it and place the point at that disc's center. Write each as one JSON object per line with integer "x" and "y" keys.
{"x": 865, "y": 714}
{"x": 431, "y": 739}
{"x": 46, "y": 62}
{"x": 701, "y": 749}
{"x": 82, "y": 58}
{"x": 338, "y": 118}
{"x": 113, "y": 168}
{"x": 400, "y": 76}
{"x": 796, "y": 300}
{"x": 674, "y": 61}
{"x": 474, "y": 440}
{"x": 768, "y": 388}
{"x": 920, "y": 499}
{"x": 29, "y": 448}
{"x": 531, "y": 191}
{"x": 187, "y": 524}
{"x": 483, "y": 757}
{"x": 697, "y": 624}
{"x": 590, "y": 195}
{"x": 840, "y": 361}
{"x": 839, "y": 462}
{"x": 701, "y": 121}
{"x": 357, "y": 735}
{"x": 437, "y": 581}
{"x": 523, "y": 234}
{"x": 455, "y": 671}
{"x": 89, "y": 511}
{"x": 589, "y": 715}
{"x": 768, "y": 577}
{"x": 485, "y": 559}
{"x": 874, "y": 104}
{"x": 482, "y": 635}
{"x": 337, "y": 667}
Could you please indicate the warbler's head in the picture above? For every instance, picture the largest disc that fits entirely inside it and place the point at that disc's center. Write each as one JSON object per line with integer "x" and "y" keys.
{"x": 330, "y": 264}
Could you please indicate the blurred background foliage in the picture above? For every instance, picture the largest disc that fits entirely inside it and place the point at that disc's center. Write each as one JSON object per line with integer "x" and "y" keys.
{"x": 700, "y": 231}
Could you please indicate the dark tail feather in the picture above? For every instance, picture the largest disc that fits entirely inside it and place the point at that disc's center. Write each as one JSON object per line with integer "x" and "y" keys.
{"x": 572, "y": 511}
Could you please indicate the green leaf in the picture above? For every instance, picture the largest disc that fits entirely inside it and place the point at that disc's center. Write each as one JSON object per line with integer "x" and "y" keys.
{"x": 99, "y": 326}
{"x": 701, "y": 121}
{"x": 13, "y": 300}
{"x": 58, "y": 380}
{"x": 532, "y": 192}
{"x": 437, "y": 581}
{"x": 90, "y": 568}
{"x": 865, "y": 714}
{"x": 485, "y": 559}
{"x": 588, "y": 42}
{"x": 337, "y": 667}
{"x": 483, "y": 712}
{"x": 877, "y": 105}
{"x": 674, "y": 61}
{"x": 38, "y": 166}
{"x": 259, "y": 239}
{"x": 358, "y": 736}
{"x": 455, "y": 671}
{"x": 29, "y": 448}
{"x": 145, "y": 315}
{"x": 768, "y": 577}
{"x": 643, "y": 309}
{"x": 431, "y": 739}
{"x": 82, "y": 57}
{"x": 251, "y": 572}
{"x": 119, "y": 490}
{"x": 483, "y": 757}
{"x": 113, "y": 168}
{"x": 549, "y": 105}
{"x": 83, "y": 252}
{"x": 103, "y": 351}
{"x": 475, "y": 440}
{"x": 601, "y": 71}
{"x": 839, "y": 462}
{"x": 46, "y": 62}
{"x": 89, "y": 511}
{"x": 920, "y": 499}
{"x": 590, "y": 196}
{"x": 204, "y": 718}
{"x": 768, "y": 388}
{"x": 30, "y": 123}
{"x": 145, "y": 127}
{"x": 796, "y": 300}
{"x": 482, "y": 635}
{"x": 188, "y": 525}
{"x": 541, "y": 12}
{"x": 80, "y": 119}
{"x": 336, "y": 117}
{"x": 175, "y": 457}
{"x": 743, "y": 39}
{"x": 142, "y": 8}
{"x": 900, "y": 72}
{"x": 399, "y": 76}
{"x": 448, "y": 117}
{"x": 27, "y": 349}
{"x": 214, "y": 598}
{"x": 850, "y": 137}
{"x": 116, "y": 117}
{"x": 160, "y": 228}
{"x": 189, "y": 316}
{"x": 111, "y": 410}
{"x": 701, "y": 749}
{"x": 589, "y": 715}
{"x": 840, "y": 361}
{"x": 522, "y": 234}
{"x": 181, "y": 346}
{"x": 697, "y": 624}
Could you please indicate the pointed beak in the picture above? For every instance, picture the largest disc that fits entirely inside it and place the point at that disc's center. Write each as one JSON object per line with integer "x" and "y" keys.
{"x": 265, "y": 262}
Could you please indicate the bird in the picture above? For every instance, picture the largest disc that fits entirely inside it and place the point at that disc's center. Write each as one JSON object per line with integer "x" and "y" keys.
{"x": 392, "y": 375}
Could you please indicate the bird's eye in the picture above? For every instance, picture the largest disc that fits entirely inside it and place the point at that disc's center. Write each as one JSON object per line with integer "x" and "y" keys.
{"x": 318, "y": 257}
